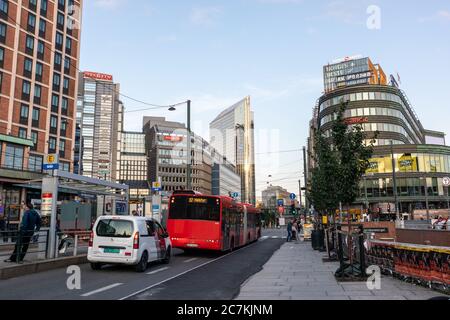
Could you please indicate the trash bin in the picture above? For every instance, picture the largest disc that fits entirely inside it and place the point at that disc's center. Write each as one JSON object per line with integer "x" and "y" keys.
{"x": 315, "y": 239}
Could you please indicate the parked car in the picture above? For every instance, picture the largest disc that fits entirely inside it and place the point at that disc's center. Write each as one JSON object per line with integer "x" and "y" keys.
{"x": 128, "y": 240}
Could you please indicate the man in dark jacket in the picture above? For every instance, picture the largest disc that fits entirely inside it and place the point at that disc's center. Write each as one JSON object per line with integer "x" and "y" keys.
{"x": 31, "y": 222}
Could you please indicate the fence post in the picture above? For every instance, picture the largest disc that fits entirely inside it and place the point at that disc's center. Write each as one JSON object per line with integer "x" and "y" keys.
{"x": 340, "y": 250}
{"x": 75, "y": 248}
{"x": 362, "y": 253}
{"x": 56, "y": 245}
{"x": 18, "y": 246}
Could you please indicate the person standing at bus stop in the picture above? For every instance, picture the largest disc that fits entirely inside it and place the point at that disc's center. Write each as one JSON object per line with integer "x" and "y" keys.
{"x": 31, "y": 222}
{"x": 289, "y": 230}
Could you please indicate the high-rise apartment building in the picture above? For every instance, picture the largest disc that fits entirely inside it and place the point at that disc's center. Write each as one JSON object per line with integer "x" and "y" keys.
{"x": 232, "y": 135}
{"x": 39, "y": 58}
{"x": 100, "y": 117}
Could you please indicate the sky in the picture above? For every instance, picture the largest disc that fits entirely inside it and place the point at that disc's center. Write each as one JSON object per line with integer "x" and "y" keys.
{"x": 216, "y": 52}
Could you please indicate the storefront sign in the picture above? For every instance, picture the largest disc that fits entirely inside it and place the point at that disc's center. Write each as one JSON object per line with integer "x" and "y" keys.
{"x": 356, "y": 120}
{"x": 407, "y": 164}
{"x": 173, "y": 138}
{"x": 98, "y": 76}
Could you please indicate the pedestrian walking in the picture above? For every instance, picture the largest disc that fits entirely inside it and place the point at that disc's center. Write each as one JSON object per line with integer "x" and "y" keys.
{"x": 295, "y": 231}
{"x": 31, "y": 222}
{"x": 289, "y": 230}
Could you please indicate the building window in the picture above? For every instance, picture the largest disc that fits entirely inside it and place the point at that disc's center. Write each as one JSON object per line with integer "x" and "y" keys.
{"x": 58, "y": 61}
{"x": 53, "y": 125}
{"x": 66, "y": 85}
{"x": 4, "y": 8}
{"x": 56, "y": 82}
{"x": 37, "y": 94}
{"x": 24, "y": 109}
{"x": 64, "y": 106}
{"x": 26, "y": 88}
{"x": 44, "y": 5}
{"x": 40, "y": 50}
{"x": 2, "y": 32}
{"x": 63, "y": 127}
{"x": 14, "y": 157}
{"x": 27, "y": 67}
{"x": 35, "y": 117}
{"x": 62, "y": 5}
{"x": 31, "y": 22}
{"x": 67, "y": 64}
{"x": 42, "y": 28}
{"x": 29, "y": 45}
{"x": 35, "y": 139}
{"x": 35, "y": 163}
{"x": 68, "y": 46}
{"x": 62, "y": 148}
{"x": 60, "y": 21}
{"x": 22, "y": 133}
{"x": 32, "y": 4}
{"x": 59, "y": 41}
{"x": 52, "y": 145}
{"x": 55, "y": 103}
{"x": 2, "y": 57}
{"x": 39, "y": 71}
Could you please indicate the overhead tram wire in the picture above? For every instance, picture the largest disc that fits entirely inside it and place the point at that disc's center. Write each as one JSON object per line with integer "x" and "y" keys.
{"x": 156, "y": 106}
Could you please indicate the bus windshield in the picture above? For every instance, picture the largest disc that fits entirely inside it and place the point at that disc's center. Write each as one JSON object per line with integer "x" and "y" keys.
{"x": 194, "y": 208}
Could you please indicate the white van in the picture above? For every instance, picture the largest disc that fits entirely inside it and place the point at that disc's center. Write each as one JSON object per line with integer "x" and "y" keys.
{"x": 128, "y": 240}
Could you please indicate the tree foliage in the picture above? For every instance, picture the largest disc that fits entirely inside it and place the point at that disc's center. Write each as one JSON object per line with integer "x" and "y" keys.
{"x": 341, "y": 161}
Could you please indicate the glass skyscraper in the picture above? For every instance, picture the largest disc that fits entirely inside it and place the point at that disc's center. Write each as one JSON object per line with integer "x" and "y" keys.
{"x": 232, "y": 135}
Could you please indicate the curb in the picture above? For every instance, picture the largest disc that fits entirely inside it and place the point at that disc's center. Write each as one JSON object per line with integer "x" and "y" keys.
{"x": 41, "y": 266}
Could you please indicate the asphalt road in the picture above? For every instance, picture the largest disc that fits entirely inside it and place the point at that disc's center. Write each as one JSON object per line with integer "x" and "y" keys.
{"x": 188, "y": 276}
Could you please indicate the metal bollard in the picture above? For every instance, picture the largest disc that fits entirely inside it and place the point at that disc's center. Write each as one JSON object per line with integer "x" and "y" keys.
{"x": 75, "y": 248}
{"x": 56, "y": 246}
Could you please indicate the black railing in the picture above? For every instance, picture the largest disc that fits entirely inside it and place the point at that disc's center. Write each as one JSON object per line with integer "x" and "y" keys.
{"x": 13, "y": 244}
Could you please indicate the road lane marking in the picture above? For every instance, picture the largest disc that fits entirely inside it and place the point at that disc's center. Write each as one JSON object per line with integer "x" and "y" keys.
{"x": 183, "y": 273}
{"x": 158, "y": 270}
{"x": 101, "y": 289}
{"x": 275, "y": 237}
{"x": 190, "y": 260}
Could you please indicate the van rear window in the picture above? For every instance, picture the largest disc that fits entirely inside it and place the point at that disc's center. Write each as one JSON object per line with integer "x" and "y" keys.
{"x": 115, "y": 228}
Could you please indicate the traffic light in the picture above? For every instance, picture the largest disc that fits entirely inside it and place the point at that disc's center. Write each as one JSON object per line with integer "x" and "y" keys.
{"x": 293, "y": 210}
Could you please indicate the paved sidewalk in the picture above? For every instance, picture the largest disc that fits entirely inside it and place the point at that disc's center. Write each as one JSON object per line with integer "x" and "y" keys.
{"x": 296, "y": 272}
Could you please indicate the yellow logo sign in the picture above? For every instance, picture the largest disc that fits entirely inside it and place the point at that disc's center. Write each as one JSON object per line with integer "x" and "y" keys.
{"x": 51, "y": 159}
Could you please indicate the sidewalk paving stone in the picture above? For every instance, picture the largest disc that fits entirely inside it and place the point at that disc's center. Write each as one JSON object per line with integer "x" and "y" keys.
{"x": 297, "y": 272}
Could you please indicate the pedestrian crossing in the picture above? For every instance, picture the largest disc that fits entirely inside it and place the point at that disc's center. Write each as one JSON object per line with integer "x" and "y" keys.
{"x": 272, "y": 237}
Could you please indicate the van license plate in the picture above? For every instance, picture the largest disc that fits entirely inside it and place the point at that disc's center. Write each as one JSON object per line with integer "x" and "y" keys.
{"x": 192, "y": 245}
{"x": 111, "y": 250}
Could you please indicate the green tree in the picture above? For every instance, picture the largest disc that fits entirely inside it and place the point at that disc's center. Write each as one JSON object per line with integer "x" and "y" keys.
{"x": 341, "y": 160}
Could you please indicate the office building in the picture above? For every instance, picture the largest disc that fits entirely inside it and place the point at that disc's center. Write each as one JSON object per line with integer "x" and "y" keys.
{"x": 100, "y": 117}
{"x": 421, "y": 157}
{"x": 166, "y": 149}
{"x": 225, "y": 180}
{"x": 232, "y": 135}
{"x": 39, "y": 57}
{"x": 133, "y": 165}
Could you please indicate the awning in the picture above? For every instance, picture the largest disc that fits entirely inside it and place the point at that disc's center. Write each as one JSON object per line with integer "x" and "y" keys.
{"x": 16, "y": 140}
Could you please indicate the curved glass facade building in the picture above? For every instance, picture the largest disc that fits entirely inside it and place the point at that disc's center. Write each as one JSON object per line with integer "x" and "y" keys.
{"x": 421, "y": 158}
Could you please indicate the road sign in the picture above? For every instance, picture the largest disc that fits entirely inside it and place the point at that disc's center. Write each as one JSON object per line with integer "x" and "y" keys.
{"x": 235, "y": 195}
{"x": 156, "y": 186}
{"x": 446, "y": 181}
{"x": 51, "y": 162}
{"x": 280, "y": 202}
{"x": 281, "y": 210}
{"x": 293, "y": 196}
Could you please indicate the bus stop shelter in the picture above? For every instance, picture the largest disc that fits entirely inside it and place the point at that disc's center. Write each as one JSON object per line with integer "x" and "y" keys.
{"x": 60, "y": 181}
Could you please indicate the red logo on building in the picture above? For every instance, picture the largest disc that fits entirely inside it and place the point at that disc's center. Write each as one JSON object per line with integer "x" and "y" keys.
{"x": 356, "y": 120}
{"x": 98, "y": 76}
{"x": 173, "y": 139}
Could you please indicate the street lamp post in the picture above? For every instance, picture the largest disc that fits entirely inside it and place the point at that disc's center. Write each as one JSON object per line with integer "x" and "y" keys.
{"x": 188, "y": 144}
{"x": 394, "y": 177}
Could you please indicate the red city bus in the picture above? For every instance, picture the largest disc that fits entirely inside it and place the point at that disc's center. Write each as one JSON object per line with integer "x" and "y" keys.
{"x": 205, "y": 222}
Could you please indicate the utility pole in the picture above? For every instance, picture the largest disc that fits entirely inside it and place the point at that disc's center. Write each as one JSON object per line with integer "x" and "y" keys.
{"x": 306, "y": 179}
{"x": 300, "y": 193}
{"x": 394, "y": 176}
{"x": 188, "y": 173}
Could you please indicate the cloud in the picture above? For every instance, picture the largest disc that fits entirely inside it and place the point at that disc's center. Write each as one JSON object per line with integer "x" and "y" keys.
{"x": 296, "y": 85}
{"x": 205, "y": 16}
{"x": 439, "y": 16}
{"x": 343, "y": 11}
{"x": 108, "y": 4}
{"x": 280, "y": 1}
